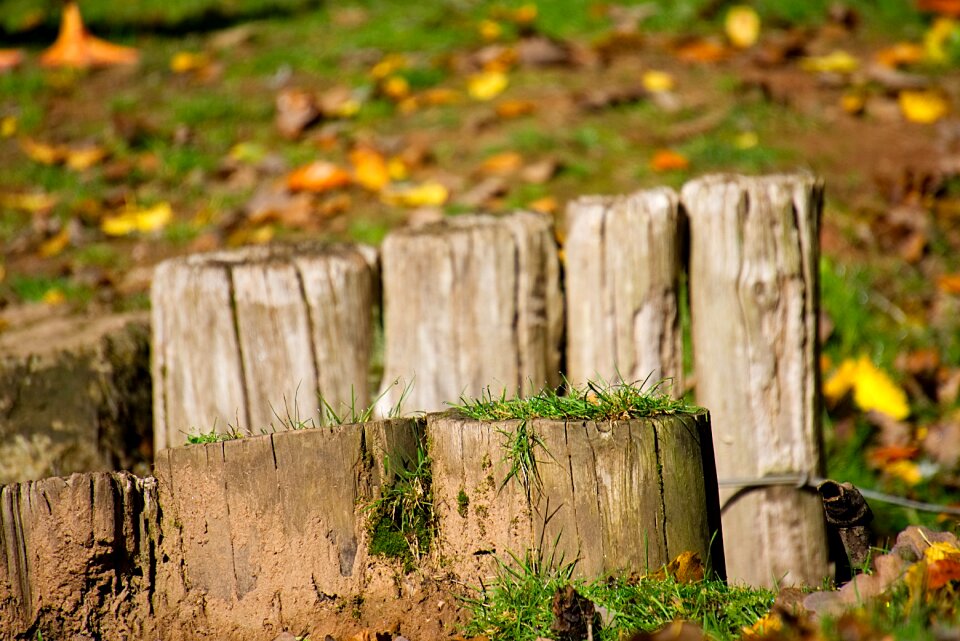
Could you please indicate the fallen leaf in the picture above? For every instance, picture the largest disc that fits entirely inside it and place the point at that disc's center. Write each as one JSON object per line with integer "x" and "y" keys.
{"x": 946, "y": 7}
{"x": 657, "y": 81}
{"x": 318, "y": 176}
{"x": 742, "y": 26}
{"x": 924, "y": 107}
{"x": 853, "y": 102}
{"x": 33, "y": 203}
{"x": 55, "y": 245}
{"x": 440, "y": 96}
{"x": 942, "y": 572}
{"x": 900, "y": 54}
{"x": 75, "y": 47}
{"x": 489, "y": 29}
{"x": 10, "y": 59}
{"x": 339, "y": 102}
{"x": 545, "y": 205}
{"x": 423, "y": 195}
{"x": 53, "y": 296}
{"x": 388, "y": 65}
{"x": 296, "y": 110}
{"x": 187, "y": 61}
{"x": 370, "y": 168}
{"x": 483, "y": 192}
{"x": 506, "y": 162}
{"x": 539, "y": 172}
{"x": 41, "y": 152}
{"x": 539, "y": 51}
{"x": 701, "y": 50}
{"x": 144, "y": 220}
{"x": 395, "y": 87}
{"x": 872, "y": 388}
{"x": 81, "y": 158}
{"x": 8, "y": 126}
{"x": 668, "y": 160}
{"x": 487, "y": 85}
{"x": 949, "y": 283}
{"x": 937, "y": 39}
{"x": 515, "y": 108}
{"x": 882, "y": 456}
{"x": 942, "y": 551}
{"x": 746, "y": 140}
{"x": 906, "y": 471}
{"x": 835, "y": 62}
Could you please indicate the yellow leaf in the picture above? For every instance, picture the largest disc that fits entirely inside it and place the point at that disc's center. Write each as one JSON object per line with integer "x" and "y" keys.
{"x": 186, "y": 61}
{"x": 487, "y": 85}
{"x": 369, "y": 169}
{"x": 397, "y": 169}
{"x": 936, "y": 38}
{"x": 55, "y": 245}
{"x": 834, "y": 62}
{"x": 742, "y": 26}
{"x": 137, "y": 220}
{"x": 29, "y": 203}
{"x": 657, "y": 81}
{"x": 389, "y": 65}
{"x": 841, "y": 382}
{"x": 853, "y": 102}
{"x": 42, "y": 152}
{"x": 441, "y": 96}
{"x": 924, "y": 107}
{"x": 873, "y": 390}
{"x": 905, "y": 470}
{"x": 53, "y": 296}
{"x": 8, "y": 126}
{"x": 525, "y": 14}
{"x": 941, "y": 551}
{"x": 746, "y": 140}
{"x": 424, "y": 195}
{"x": 84, "y": 157}
{"x": 489, "y": 29}
{"x": 545, "y": 205}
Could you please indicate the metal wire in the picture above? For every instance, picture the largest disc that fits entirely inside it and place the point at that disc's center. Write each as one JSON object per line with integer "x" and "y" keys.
{"x": 812, "y": 481}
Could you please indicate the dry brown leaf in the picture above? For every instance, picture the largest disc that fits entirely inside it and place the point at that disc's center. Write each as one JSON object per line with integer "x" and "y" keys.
{"x": 540, "y": 172}
{"x": 483, "y": 192}
{"x": 539, "y": 51}
{"x": 296, "y": 110}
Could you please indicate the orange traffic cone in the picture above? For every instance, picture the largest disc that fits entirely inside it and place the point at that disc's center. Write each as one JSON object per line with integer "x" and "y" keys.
{"x": 75, "y": 47}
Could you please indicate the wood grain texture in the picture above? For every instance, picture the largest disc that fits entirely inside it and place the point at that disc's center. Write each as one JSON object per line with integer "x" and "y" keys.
{"x": 622, "y": 275}
{"x": 248, "y": 338}
{"x": 617, "y": 496}
{"x": 754, "y": 307}
{"x": 469, "y": 303}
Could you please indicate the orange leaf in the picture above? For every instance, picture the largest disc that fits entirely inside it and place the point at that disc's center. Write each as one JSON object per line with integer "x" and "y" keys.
{"x": 900, "y": 54}
{"x": 545, "y": 205}
{"x": 942, "y": 572}
{"x": 701, "y": 50}
{"x": 949, "y": 283}
{"x": 669, "y": 160}
{"x": 75, "y": 47}
{"x": 882, "y": 456}
{"x": 945, "y": 7}
{"x": 502, "y": 163}
{"x": 318, "y": 176}
{"x": 10, "y": 59}
{"x": 369, "y": 168}
{"x": 515, "y": 108}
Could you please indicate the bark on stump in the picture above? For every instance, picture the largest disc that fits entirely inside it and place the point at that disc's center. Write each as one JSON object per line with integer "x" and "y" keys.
{"x": 243, "y": 336}
{"x": 75, "y": 397}
{"x": 754, "y": 305}
{"x": 77, "y": 556}
{"x": 469, "y": 303}
{"x": 622, "y": 274}
{"x": 618, "y": 495}
{"x": 264, "y": 527}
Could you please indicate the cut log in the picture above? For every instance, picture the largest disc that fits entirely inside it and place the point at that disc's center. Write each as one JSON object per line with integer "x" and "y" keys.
{"x": 470, "y": 303}
{"x": 249, "y": 338}
{"x": 618, "y": 495}
{"x": 262, "y": 527}
{"x": 754, "y": 306}
{"x": 75, "y": 397}
{"x": 76, "y": 556}
{"x": 622, "y": 274}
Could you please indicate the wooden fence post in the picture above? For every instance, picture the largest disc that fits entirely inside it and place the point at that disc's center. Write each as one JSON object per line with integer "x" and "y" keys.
{"x": 470, "y": 302}
{"x": 754, "y": 304}
{"x": 622, "y": 273}
{"x": 243, "y": 336}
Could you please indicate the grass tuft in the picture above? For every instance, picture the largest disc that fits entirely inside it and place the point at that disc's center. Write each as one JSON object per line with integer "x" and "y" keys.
{"x": 597, "y": 401}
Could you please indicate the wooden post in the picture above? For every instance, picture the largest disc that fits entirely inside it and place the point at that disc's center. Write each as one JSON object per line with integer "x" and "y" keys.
{"x": 470, "y": 303}
{"x": 617, "y": 495}
{"x": 622, "y": 273}
{"x": 245, "y": 336}
{"x": 754, "y": 305}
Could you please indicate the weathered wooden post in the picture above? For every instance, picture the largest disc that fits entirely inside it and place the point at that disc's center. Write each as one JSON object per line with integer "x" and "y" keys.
{"x": 242, "y": 337}
{"x": 620, "y": 495}
{"x": 471, "y": 302}
{"x": 622, "y": 274}
{"x": 754, "y": 303}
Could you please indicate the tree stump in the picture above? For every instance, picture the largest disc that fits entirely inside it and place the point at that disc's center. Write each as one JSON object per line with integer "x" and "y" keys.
{"x": 248, "y": 338}
{"x": 75, "y": 555}
{"x": 617, "y": 495}
{"x": 754, "y": 306}
{"x": 469, "y": 303}
{"x": 262, "y": 527}
{"x": 622, "y": 273}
